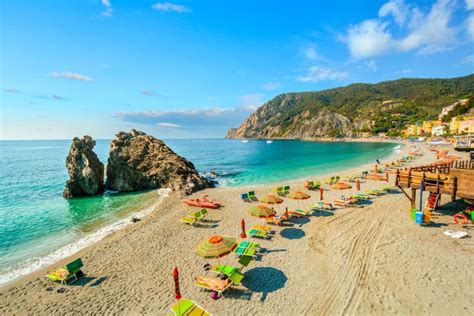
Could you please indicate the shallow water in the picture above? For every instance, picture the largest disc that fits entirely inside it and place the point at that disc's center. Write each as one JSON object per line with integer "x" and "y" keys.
{"x": 35, "y": 219}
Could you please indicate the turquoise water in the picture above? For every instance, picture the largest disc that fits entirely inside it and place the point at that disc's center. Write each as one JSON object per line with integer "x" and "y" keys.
{"x": 35, "y": 219}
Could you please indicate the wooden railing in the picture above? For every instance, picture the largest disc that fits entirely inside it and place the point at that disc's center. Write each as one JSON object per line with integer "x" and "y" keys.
{"x": 434, "y": 182}
{"x": 445, "y": 167}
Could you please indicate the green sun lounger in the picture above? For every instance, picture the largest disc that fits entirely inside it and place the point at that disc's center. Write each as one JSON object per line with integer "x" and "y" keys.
{"x": 236, "y": 277}
{"x": 279, "y": 191}
{"x": 250, "y": 252}
{"x": 361, "y": 196}
{"x": 244, "y": 261}
{"x": 195, "y": 217}
{"x": 252, "y": 196}
{"x": 186, "y": 307}
{"x": 286, "y": 190}
{"x": 257, "y": 233}
{"x": 63, "y": 275}
{"x": 248, "y": 244}
{"x": 224, "y": 269}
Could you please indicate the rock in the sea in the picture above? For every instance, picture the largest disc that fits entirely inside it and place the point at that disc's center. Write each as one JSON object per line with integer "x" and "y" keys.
{"x": 139, "y": 162}
{"x": 86, "y": 172}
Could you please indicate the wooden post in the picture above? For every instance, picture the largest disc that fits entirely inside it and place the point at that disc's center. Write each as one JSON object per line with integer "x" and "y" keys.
{"x": 413, "y": 198}
{"x": 453, "y": 197}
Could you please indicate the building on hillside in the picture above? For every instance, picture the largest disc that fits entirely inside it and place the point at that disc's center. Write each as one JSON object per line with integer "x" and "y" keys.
{"x": 448, "y": 108}
{"x": 466, "y": 126}
{"x": 439, "y": 130}
{"x": 412, "y": 130}
{"x": 461, "y": 124}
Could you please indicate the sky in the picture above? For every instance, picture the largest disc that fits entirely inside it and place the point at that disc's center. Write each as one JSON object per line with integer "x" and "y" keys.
{"x": 196, "y": 68}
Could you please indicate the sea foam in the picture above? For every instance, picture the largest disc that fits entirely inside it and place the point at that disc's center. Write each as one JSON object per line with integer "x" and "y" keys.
{"x": 37, "y": 263}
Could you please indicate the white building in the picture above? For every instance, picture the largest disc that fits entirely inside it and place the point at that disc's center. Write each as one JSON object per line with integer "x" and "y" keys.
{"x": 439, "y": 130}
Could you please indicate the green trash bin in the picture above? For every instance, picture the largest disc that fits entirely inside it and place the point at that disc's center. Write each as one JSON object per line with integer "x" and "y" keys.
{"x": 412, "y": 213}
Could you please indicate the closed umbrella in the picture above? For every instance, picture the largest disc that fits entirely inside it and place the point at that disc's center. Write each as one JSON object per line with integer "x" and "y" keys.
{"x": 358, "y": 185}
{"x": 216, "y": 246}
{"x": 242, "y": 224}
{"x": 321, "y": 194}
{"x": 175, "y": 274}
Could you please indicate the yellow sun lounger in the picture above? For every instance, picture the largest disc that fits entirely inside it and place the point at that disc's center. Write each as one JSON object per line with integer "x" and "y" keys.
{"x": 187, "y": 307}
{"x": 63, "y": 275}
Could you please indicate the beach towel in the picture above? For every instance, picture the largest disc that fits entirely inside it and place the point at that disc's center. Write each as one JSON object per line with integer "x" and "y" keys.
{"x": 456, "y": 234}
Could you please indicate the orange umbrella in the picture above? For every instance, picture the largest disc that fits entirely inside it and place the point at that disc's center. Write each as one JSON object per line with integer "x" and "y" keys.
{"x": 242, "y": 224}
{"x": 261, "y": 211}
{"x": 216, "y": 246}
{"x": 321, "y": 194}
{"x": 298, "y": 195}
{"x": 175, "y": 274}
{"x": 341, "y": 186}
{"x": 271, "y": 199}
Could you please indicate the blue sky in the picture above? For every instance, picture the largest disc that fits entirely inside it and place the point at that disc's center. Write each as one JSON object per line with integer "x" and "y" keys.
{"x": 196, "y": 68}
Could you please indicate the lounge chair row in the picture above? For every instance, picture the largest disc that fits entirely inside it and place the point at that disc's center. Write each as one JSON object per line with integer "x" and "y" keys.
{"x": 312, "y": 185}
{"x": 249, "y": 197}
{"x": 282, "y": 191}
{"x": 332, "y": 180}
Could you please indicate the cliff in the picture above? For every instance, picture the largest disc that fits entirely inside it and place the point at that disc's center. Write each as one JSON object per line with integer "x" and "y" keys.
{"x": 86, "y": 172}
{"x": 139, "y": 162}
{"x": 382, "y": 107}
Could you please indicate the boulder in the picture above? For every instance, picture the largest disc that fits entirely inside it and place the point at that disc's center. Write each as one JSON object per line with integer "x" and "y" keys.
{"x": 86, "y": 172}
{"x": 140, "y": 162}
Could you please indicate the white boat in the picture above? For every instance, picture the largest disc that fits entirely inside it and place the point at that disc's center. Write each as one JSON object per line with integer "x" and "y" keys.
{"x": 269, "y": 141}
{"x": 245, "y": 140}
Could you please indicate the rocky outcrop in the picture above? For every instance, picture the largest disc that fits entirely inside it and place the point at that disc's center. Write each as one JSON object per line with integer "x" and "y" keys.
{"x": 139, "y": 162}
{"x": 86, "y": 172}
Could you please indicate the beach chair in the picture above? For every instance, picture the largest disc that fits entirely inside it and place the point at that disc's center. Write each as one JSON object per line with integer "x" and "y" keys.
{"x": 204, "y": 213}
{"x": 257, "y": 233}
{"x": 63, "y": 275}
{"x": 223, "y": 269}
{"x": 213, "y": 284}
{"x": 375, "y": 192}
{"x": 245, "y": 197}
{"x": 286, "y": 190}
{"x": 268, "y": 229}
{"x": 187, "y": 307}
{"x": 345, "y": 203}
{"x": 309, "y": 185}
{"x": 236, "y": 277}
{"x": 277, "y": 220}
{"x": 191, "y": 218}
{"x": 279, "y": 191}
{"x": 248, "y": 244}
{"x": 252, "y": 196}
{"x": 361, "y": 196}
{"x": 249, "y": 252}
{"x": 298, "y": 213}
{"x": 244, "y": 261}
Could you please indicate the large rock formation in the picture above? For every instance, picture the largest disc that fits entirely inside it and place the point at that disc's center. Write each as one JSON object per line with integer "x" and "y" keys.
{"x": 139, "y": 162}
{"x": 86, "y": 172}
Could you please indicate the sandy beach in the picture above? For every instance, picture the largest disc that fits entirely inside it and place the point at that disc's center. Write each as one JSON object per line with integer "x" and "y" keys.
{"x": 355, "y": 260}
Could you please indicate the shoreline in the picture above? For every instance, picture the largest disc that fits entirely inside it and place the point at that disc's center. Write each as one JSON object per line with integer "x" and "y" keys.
{"x": 104, "y": 232}
{"x": 135, "y": 262}
{"x": 89, "y": 240}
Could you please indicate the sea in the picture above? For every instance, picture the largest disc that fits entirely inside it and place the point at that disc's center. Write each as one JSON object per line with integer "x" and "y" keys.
{"x": 38, "y": 226}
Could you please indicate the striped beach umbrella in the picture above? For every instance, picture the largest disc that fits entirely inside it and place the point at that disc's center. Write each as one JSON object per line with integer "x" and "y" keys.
{"x": 271, "y": 199}
{"x": 261, "y": 211}
{"x": 341, "y": 186}
{"x": 298, "y": 195}
{"x": 216, "y": 246}
{"x": 242, "y": 225}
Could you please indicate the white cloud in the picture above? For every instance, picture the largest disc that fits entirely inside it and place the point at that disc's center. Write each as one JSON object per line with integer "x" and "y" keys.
{"x": 311, "y": 53}
{"x": 403, "y": 71}
{"x": 271, "y": 85}
{"x": 469, "y": 5}
{"x": 429, "y": 33}
{"x": 57, "y": 97}
{"x": 170, "y": 7}
{"x": 468, "y": 60}
{"x": 316, "y": 73}
{"x": 470, "y": 25}
{"x": 72, "y": 76}
{"x": 108, "y": 8}
{"x": 168, "y": 125}
{"x": 397, "y": 9}
{"x": 433, "y": 49}
{"x": 369, "y": 38}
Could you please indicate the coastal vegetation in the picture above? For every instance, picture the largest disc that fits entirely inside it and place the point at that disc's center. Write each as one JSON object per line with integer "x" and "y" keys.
{"x": 384, "y": 107}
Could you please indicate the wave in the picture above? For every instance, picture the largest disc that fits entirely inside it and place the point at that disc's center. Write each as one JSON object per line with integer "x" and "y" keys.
{"x": 37, "y": 263}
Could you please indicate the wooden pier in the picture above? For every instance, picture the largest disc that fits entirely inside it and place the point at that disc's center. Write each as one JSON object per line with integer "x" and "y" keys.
{"x": 454, "y": 178}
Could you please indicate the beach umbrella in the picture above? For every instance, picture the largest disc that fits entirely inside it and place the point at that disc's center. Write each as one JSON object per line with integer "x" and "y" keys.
{"x": 216, "y": 246}
{"x": 261, "y": 211}
{"x": 341, "y": 186}
{"x": 321, "y": 194}
{"x": 298, "y": 195}
{"x": 271, "y": 199}
{"x": 358, "y": 185}
{"x": 242, "y": 224}
{"x": 175, "y": 274}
